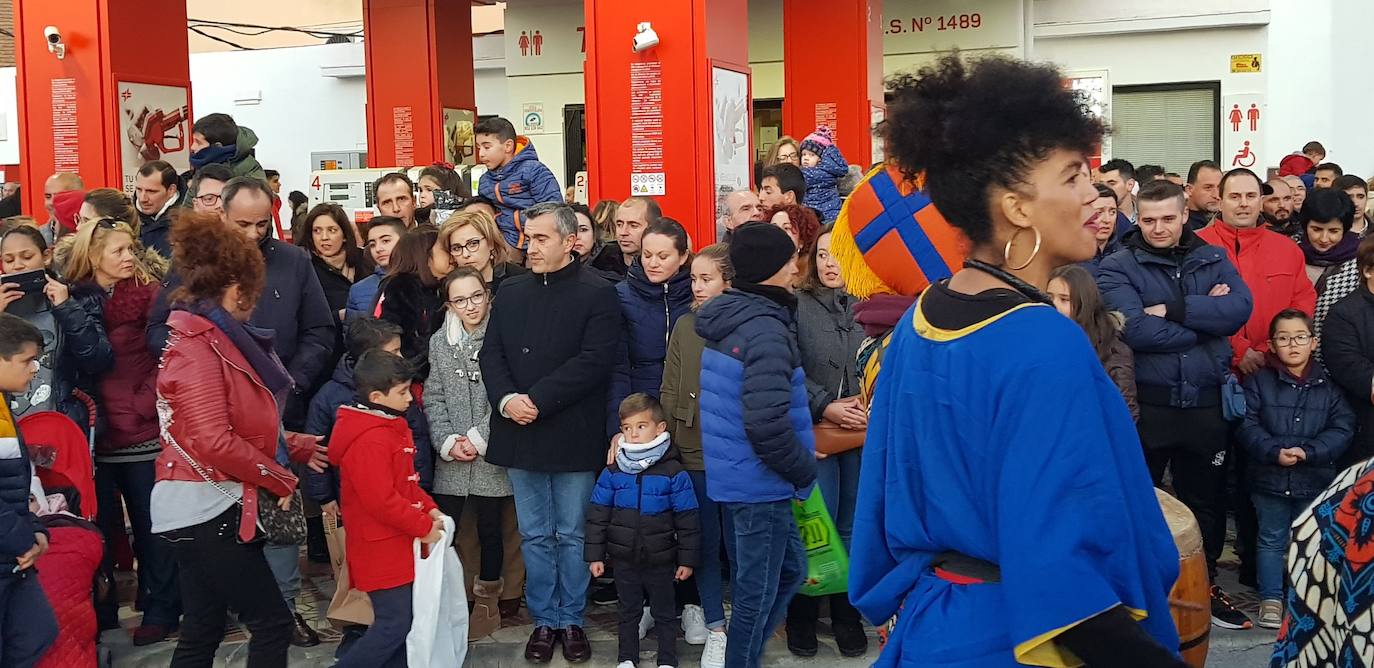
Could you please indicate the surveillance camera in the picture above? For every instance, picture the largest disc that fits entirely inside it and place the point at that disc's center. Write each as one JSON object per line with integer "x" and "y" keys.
{"x": 645, "y": 38}
{"x": 55, "y": 45}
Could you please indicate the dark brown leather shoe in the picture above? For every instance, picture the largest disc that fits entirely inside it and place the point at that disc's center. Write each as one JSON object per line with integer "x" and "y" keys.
{"x": 576, "y": 647}
{"x": 301, "y": 633}
{"x": 540, "y": 647}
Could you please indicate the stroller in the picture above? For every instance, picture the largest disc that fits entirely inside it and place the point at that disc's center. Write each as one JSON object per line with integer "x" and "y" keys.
{"x": 69, "y": 571}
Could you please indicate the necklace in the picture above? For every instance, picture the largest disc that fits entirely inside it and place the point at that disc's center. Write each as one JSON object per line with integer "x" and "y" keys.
{"x": 1026, "y": 289}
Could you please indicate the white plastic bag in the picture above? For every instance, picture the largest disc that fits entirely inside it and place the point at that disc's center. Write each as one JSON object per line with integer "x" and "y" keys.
{"x": 438, "y": 635}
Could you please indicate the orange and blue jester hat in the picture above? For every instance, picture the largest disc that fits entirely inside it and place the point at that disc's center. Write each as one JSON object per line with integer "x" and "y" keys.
{"x": 890, "y": 238}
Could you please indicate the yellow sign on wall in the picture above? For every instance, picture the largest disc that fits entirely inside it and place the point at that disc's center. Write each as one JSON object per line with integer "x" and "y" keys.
{"x": 1244, "y": 63}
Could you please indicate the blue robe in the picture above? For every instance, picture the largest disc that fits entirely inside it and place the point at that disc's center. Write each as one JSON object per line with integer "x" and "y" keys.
{"x": 1004, "y": 441}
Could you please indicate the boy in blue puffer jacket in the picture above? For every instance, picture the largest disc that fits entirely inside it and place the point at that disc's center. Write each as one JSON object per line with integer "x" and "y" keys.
{"x": 27, "y": 624}
{"x": 1297, "y": 425}
{"x": 823, "y": 166}
{"x": 756, "y": 431}
{"x": 515, "y": 180}
{"x": 643, "y": 514}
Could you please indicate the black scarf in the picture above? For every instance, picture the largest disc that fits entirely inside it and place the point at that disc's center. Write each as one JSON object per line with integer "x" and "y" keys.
{"x": 1341, "y": 252}
{"x": 255, "y": 343}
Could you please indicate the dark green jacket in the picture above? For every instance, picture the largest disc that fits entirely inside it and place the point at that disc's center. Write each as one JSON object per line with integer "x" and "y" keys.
{"x": 681, "y": 389}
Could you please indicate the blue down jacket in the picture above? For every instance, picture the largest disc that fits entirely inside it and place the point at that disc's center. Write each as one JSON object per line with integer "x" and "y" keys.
{"x": 518, "y": 185}
{"x": 755, "y": 419}
{"x": 645, "y": 519}
{"x": 822, "y": 183}
{"x": 650, "y": 311}
{"x": 1182, "y": 359}
{"x": 1283, "y": 411}
{"x": 340, "y": 390}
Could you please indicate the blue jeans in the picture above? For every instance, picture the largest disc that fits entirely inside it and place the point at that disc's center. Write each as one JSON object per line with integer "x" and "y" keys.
{"x": 159, "y": 595}
{"x": 384, "y": 644}
{"x": 27, "y": 625}
{"x": 1276, "y": 516}
{"x": 552, "y": 512}
{"x": 838, "y": 478}
{"x": 708, "y": 568}
{"x": 769, "y": 565}
{"x": 285, "y": 562}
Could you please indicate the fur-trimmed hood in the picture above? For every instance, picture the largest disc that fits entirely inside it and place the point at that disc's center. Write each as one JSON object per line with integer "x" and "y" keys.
{"x": 157, "y": 265}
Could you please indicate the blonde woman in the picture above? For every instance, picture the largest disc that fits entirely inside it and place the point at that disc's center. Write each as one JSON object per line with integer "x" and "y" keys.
{"x": 104, "y": 259}
{"x": 473, "y": 240}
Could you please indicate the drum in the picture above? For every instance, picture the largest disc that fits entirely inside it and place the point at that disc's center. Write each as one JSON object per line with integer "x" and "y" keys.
{"x": 1190, "y": 600}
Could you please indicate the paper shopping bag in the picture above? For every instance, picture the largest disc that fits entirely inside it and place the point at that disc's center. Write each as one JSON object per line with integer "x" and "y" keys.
{"x": 349, "y": 606}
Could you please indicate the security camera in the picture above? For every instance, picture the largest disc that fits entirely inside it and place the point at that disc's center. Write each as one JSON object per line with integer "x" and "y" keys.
{"x": 55, "y": 45}
{"x": 645, "y": 38}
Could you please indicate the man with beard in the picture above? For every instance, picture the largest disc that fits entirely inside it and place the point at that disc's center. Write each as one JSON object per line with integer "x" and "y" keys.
{"x": 1278, "y": 208}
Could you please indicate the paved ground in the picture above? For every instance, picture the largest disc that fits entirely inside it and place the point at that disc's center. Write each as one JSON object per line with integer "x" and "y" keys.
{"x": 1229, "y": 649}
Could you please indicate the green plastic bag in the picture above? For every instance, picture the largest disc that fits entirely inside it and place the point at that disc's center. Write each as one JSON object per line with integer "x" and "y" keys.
{"x": 827, "y": 564}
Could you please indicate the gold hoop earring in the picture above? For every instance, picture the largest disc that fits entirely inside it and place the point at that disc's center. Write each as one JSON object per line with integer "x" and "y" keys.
{"x": 1006, "y": 252}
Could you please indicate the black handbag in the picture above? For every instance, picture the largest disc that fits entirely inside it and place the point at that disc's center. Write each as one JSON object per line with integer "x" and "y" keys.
{"x": 281, "y": 527}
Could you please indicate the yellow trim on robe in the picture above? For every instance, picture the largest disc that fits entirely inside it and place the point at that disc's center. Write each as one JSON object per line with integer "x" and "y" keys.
{"x": 929, "y": 331}
{"x": 1042, "y": 651}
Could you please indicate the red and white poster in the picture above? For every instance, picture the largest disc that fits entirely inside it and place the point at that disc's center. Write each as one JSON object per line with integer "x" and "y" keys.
{"x": 1243, "y": 121}
{"x": 646, "y": 129}
{"x": 155, "y": 124}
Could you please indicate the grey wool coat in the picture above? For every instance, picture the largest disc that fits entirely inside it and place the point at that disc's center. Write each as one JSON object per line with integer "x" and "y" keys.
{"x": 456, "y": 403}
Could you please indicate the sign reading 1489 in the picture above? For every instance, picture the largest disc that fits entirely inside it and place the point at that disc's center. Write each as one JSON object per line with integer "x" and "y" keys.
{"x": 935, "y": 23}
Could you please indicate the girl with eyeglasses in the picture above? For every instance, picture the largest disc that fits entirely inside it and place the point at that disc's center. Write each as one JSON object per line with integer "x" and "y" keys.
{"x": 1297, "y": 425}
{"x": 473, "y": 240}
{"x": 460, "y": 417}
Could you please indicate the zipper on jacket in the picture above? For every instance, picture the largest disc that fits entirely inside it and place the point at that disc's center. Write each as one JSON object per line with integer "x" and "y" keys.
{"x": 667, "y": 318}
{"x": 639, "y": 512}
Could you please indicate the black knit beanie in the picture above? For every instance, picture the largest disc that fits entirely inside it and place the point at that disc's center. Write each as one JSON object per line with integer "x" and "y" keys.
{"x": 759, "y": 250}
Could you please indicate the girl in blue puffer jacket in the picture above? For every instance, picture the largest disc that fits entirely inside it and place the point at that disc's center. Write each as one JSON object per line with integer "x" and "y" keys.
{"x": 1297, "y": 424}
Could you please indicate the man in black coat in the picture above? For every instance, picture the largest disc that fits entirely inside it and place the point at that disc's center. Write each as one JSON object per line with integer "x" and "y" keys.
{"x": 292, "y": 304}
{"x": 547, "y": 361}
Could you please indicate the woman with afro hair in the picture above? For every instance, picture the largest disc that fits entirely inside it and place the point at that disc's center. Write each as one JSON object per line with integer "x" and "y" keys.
{"x": 1005, "y": 515}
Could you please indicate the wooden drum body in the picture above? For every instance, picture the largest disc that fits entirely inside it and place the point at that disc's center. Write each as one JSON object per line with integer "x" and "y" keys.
{"x": 1190, "y": 599}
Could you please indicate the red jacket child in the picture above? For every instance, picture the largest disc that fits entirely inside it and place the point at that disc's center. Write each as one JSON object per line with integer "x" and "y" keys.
{"x": 379, "y": 497}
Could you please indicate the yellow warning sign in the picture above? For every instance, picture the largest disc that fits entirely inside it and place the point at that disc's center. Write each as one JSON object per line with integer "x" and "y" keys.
{"x": 1244, "y": 63}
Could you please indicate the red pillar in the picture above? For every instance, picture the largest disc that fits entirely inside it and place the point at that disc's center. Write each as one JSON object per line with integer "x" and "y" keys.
{"x": 840, "y": 86}
{"x": 125, "y": 68}
{"x": 419, "y": 63}
{"x": 653, "y": 118}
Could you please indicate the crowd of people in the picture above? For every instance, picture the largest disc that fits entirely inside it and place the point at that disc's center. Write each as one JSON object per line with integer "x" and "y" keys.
{"x": 640, "y": 417}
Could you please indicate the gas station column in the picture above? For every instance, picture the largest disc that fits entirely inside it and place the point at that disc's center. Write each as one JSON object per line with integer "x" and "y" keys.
{"x": 668, "y": 105}
{"x": 103, "y": 86}
{"x": 840, "y": 85}
{"x": 419, "y": 77}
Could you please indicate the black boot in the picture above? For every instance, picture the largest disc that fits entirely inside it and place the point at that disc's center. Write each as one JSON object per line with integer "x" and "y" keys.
{"x": 848, "y": 626}
{"x": 801, "y": 626}
{"x": 316, "y": 550}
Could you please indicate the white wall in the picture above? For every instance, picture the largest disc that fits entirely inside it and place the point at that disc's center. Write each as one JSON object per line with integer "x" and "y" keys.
{"x": 300, "y": 110}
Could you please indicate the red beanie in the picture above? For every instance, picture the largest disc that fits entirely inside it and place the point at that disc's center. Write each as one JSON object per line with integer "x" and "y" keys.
{"x": 66, "y": 206}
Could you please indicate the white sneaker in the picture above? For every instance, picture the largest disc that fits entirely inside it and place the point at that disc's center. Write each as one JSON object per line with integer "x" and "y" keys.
{"x": 626, "y": 664}
{"x": 645, "y": 623}
{"x": 694, "y": 625}
{"x": 713, "y": 655}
